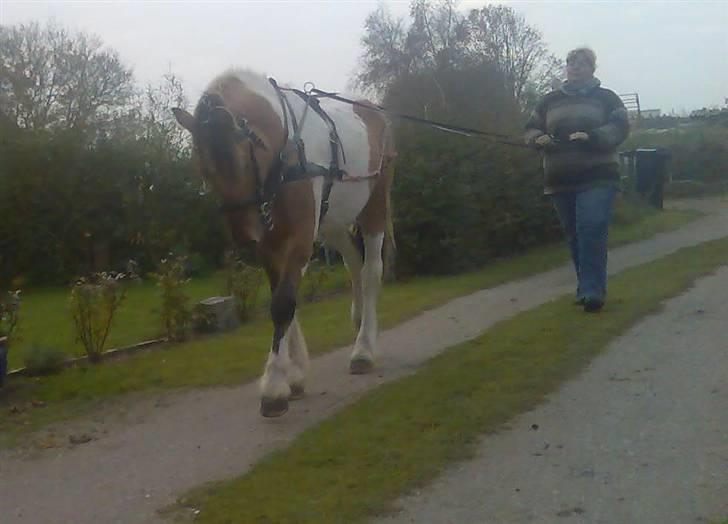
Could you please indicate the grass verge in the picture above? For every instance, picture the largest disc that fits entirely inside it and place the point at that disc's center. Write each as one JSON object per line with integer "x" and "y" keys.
{"x": 45, "y": 318}
{"x": 28, "y": 404}
{"x": 348, "y": 468}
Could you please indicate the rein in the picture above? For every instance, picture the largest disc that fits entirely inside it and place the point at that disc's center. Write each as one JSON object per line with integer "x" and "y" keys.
{"x": 281, "y": 173}
{"x": 465, "y": 131}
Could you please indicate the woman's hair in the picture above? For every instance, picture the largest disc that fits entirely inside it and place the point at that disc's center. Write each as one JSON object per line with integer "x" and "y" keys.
{"x": 589, "y": 55}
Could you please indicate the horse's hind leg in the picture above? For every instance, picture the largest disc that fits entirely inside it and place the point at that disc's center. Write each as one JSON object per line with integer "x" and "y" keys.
{"x": 341, "y": 241}
{"x": 362, "y": 358}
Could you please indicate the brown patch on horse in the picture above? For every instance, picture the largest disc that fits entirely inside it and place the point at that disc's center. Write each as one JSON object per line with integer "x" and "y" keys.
{"x": 380, "y": 144}
{"x": 375, "y": 217}
{"x": 288, "y": 247}
{"x": 256, "y": 109}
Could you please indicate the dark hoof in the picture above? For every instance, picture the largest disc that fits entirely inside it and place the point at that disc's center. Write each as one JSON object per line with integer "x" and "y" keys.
{"x": 273, "y": 407}
{"x": 297, "y": 392}
{"x": 361, "y": 366}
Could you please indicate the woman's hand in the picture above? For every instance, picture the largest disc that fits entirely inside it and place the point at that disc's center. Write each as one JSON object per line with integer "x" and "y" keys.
{"x": 543, "y": 140}
{"x": 579, "y": 136}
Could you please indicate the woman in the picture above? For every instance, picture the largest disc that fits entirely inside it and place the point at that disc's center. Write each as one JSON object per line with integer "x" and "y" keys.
{"x": 578, "y": 127}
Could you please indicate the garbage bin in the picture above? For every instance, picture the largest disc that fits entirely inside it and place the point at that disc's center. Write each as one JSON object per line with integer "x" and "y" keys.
{"x": 648, "y": 171}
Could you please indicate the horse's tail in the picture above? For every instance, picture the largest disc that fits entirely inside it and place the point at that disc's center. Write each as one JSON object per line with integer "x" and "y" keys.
{"x": 389, "y": 156}
{"x": 381, "y": 161}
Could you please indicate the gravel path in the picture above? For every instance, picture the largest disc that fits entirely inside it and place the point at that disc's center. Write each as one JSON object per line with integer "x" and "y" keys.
{"x": 641, "y": 436}
{"x": 178, "y": 441}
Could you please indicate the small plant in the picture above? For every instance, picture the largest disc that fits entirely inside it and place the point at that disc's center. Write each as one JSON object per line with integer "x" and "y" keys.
{"x": 176, "y": 314}
{"x": 9, "y": 309}
{"x": 317, "y": 274}
{"x": 243, "y": 284}
{"x": 94, "y": 301}
{"x": 43, "y": 360}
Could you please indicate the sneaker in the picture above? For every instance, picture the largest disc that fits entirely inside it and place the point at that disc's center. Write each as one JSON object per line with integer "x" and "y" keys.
{"x": 592, "y": 305}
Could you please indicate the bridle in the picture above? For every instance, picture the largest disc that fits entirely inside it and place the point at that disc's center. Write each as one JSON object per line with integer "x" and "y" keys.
{"x": 280, "y": 171}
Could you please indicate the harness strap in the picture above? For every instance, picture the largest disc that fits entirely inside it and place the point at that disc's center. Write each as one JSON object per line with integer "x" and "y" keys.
{"x": 280, "y": 173}
{"x": 334, "y": 137}
{"x": 297, "y": 141}
{"x": 334, "y": 171}
{"x": 282, "y": 100}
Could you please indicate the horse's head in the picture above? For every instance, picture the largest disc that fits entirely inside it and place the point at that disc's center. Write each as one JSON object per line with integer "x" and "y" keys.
{"x": 235, "y": 154}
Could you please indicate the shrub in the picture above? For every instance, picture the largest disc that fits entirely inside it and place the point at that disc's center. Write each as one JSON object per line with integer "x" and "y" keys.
{"x": 203, "y": 321}
{"x": 94, "y": 301}
{"x": 312, "y": 285}
{"x": 176, "y": 313}
{"x": 699, "y": 154}
{"x": 43, "y": 360}
{"x": 9, "y": 310}
{"x": 243, "y": 283}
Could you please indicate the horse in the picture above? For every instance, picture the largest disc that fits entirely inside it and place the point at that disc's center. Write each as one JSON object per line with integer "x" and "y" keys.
{"x": 289, "y": 169}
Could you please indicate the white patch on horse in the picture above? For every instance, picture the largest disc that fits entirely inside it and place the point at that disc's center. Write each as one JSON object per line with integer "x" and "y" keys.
{"x": 298, "y": 352}
{"x": 340, "y": 240}
{"x": 318, "y": 187}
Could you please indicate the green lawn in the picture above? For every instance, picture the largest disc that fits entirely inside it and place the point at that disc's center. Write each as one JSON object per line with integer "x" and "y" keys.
{"x": 401, "y": 435}
{"x": 46, "y": 319}
{"x": 239, "y": 356}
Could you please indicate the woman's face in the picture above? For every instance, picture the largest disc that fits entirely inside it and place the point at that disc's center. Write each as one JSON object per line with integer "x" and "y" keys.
{"x": 578, "y": 68}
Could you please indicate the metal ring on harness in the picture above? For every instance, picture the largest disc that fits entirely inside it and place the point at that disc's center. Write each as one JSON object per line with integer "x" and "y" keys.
{"x": 266, "y": 214}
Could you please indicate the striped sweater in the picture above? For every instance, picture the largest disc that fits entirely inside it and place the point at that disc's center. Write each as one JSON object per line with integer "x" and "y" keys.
{"x": 574, "y": 166}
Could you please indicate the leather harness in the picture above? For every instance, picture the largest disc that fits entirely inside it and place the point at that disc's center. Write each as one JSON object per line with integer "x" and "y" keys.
{"x": 280, "y": 172}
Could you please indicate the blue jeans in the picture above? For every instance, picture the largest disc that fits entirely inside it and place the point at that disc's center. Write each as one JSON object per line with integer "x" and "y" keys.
{"x": 585, "y": 217}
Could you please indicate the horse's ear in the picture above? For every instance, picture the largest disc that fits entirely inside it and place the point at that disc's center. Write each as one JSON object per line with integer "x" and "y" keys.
{"x": 185, "y": 119}
{"x": 223, "y": 119}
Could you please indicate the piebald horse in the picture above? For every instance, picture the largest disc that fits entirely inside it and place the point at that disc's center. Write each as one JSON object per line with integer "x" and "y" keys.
{"x": 273, "y": 176}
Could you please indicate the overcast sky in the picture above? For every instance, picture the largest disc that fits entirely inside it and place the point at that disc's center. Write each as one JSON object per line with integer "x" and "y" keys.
{"x": 674, "y": 54}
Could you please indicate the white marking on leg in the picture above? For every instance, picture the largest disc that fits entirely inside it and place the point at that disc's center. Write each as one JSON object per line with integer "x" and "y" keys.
{"x": 299, "y": 355}
{"x": 365, "y": 346}
{"x": 274, "y": 382}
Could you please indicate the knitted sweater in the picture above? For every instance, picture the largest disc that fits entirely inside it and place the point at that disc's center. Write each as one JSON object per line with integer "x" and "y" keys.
{"x": 577, "y": 165}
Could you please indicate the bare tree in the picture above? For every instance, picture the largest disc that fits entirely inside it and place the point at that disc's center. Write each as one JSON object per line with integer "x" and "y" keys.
{"x": 498, "y": 34}
{"x": 160, "y": 125}
{"x": 50, "y": 78}
{"x": 440, "y": 39}
{"x": 385, "y": 56}
{"x": 430, "y": 46}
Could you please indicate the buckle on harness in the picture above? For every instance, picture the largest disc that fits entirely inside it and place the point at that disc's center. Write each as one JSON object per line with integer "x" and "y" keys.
{"x": 266, "y": 215}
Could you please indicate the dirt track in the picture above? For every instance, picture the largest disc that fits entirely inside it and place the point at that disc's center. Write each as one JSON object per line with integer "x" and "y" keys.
{"x": 179, "y": 441}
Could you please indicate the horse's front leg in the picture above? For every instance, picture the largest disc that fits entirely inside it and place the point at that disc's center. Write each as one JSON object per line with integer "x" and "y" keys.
{"x": 285, "y": 370}
{"x": 274, "y": 387}
{"x": 299, "y": 365}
